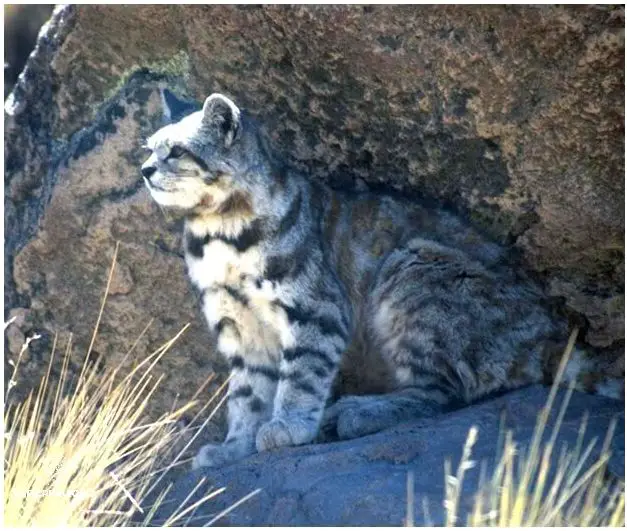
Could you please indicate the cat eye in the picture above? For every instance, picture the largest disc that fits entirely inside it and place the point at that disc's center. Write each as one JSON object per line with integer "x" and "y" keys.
{"x": 176, "y": 153}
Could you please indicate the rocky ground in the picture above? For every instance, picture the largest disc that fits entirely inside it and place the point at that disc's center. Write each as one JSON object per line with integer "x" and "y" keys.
{"x": 513, "y": 116}
{"x": 363, "y": 482}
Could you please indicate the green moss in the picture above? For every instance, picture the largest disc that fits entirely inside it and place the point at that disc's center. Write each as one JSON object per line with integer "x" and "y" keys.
{"x": 177, "y": 65}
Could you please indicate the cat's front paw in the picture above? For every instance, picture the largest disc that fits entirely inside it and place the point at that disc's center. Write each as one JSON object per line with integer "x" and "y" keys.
{"x": 285, "y": 432}
{"x": 274, "y": 434}
{"x": 216, "y": 455}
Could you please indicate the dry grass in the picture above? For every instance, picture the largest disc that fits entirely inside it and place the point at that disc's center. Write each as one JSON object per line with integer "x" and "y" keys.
{"x": 81, "y": 453}
{"x": 72, "y": 458}
{"x": 538, "y": 488}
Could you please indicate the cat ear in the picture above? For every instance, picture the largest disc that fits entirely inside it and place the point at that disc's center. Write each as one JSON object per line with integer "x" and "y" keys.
{"x": 174, "y": 109}
{"x": 221, "y": 113}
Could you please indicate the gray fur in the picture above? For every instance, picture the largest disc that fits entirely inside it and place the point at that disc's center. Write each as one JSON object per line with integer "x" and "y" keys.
{"x": 297, "y": 278}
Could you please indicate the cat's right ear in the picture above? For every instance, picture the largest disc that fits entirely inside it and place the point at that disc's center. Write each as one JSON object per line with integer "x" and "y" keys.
{"x": 174, "y": 109}
{"x": 223, "y": 116}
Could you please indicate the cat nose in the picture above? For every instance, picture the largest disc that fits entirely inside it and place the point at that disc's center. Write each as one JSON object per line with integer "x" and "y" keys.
{"x": 148, "y": 171}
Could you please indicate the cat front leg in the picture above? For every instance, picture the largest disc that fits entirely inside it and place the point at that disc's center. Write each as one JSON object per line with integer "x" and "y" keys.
{"x": 306, "y": 373}
{"x": 250, "y": 403}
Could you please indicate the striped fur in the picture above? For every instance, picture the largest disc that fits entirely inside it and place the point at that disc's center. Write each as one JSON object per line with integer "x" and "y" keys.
{"x": 297, "y": 279}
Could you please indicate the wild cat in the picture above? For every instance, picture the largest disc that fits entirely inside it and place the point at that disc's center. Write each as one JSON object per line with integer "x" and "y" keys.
{"x": 297, "y": 278}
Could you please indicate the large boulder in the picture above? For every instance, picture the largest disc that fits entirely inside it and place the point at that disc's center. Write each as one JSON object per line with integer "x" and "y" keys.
{"x": 513, "y": 116}
{"x": 364, "y": 482}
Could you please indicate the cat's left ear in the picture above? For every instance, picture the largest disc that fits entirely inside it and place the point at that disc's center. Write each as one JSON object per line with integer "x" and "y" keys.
{"x": 221, "y": 113}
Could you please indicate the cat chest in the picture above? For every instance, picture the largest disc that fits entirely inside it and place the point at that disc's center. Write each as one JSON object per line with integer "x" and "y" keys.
{"x": 239, "y": 306}
{"x": 217, "y": 262}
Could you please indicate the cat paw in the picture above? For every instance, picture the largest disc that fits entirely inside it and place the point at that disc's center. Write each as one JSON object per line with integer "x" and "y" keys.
{"x": 216, "y": 455}
{"x": 354, "y": 416}
{"x": 359, "y": 422}
{"x": 281, "y": 432}
{"x": 274, "y": 434}
{"x": 331, "y": 415}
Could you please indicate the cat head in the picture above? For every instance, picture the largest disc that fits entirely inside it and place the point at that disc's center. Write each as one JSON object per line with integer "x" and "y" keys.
{"x": 204, "y": 159}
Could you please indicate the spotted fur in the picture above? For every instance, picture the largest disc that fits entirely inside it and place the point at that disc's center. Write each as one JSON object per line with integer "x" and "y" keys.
{"x": 298, "y": 279}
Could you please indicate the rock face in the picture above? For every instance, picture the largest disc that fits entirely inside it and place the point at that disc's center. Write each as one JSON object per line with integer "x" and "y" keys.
{"x": 363, "y": 482}
{"x": 511, "y": 115}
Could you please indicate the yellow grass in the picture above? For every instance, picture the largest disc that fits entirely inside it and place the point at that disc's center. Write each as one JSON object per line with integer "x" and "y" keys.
{"x": 75, "y": 452}
{"x": 81, "y": 453}
{"x": 521, "y": 492}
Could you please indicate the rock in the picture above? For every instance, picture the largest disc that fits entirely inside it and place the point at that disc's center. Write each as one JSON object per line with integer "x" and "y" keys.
{"x": 511, "y": 115}
{"x": 363, "y": 482}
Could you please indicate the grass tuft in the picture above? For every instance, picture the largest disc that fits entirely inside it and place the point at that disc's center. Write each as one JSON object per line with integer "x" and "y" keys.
{"x": 75, "y": 453}
{"x": 82, "y": 453}
{"x": 536, "y": 487}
